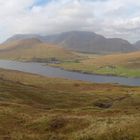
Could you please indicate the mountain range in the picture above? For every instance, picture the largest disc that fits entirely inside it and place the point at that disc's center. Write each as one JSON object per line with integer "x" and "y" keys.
{"x": 81, "y": 41}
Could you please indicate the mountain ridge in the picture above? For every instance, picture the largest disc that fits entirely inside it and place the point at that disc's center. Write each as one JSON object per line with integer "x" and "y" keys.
{"x": 82, "y": 41}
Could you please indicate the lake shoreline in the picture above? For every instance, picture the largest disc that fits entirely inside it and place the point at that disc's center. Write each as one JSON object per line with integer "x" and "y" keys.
{"x": 55, "y": 72}
{"x": 78, "y": 71}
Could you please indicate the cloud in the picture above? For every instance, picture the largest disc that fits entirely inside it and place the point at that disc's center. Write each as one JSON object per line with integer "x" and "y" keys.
{"x": 112, "y": 18}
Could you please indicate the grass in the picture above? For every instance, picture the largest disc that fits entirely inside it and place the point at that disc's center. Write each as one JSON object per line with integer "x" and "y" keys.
{"x": 103, "y": 70}
{"x": 33, "y": 107}
{"x": 127, "y": 65}
{"x": 119, "y": 71}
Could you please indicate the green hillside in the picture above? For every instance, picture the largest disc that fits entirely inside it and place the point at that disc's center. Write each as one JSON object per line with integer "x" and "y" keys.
{"x": 127, "y": 65}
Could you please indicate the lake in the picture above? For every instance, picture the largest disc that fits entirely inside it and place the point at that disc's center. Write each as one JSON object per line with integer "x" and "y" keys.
{"x": 44, "y": 70}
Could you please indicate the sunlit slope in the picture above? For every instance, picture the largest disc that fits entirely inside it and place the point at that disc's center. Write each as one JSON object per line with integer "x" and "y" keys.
{"x": 127, "y": 65}
{"x": 23, "y": 43}
{"x": 131, "y": 60}
{"x": 34, "y": 49}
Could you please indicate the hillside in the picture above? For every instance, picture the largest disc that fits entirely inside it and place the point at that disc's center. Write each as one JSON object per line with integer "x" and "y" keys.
{"x": 19, "y": 37}
{"x": 131, "y": 60}
{"x": 19, "y": 44}
{"x": 41, "y": 108}
{"x": 90, "y": 42}
{"x": 83, "y": 41}
{"x": 137, "y": 44}
{"x": 35, "y": 50}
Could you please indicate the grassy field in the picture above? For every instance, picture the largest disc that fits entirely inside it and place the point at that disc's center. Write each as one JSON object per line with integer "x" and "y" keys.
{"x": 33, "y": 107}
{"x": 127, "y": 65}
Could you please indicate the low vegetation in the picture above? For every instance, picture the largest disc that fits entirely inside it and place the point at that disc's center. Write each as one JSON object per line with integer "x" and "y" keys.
{"x": 127, "y": 65}
{"x": 33, "y": 107}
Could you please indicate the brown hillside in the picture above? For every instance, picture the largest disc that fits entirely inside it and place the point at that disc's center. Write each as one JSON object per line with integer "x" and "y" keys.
{"x": 128, "y": 59}
{"x": 29, "y": 49}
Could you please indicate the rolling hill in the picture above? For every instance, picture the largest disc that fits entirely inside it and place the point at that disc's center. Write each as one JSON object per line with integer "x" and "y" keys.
{"x": 35, "y": 50}
{"x": 127, "y": 59}
{"x": 83, "y": 41}
{"x": 127, "y": 65}
{"x": 19, "y": 37}
{"x": 19, "y": 44}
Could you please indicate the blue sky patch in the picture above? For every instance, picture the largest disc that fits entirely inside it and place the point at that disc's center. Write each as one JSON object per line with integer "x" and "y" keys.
{"x": 41, "y": 2}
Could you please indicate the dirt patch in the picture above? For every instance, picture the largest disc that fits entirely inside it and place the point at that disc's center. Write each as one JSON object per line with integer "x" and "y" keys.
{"x": 103, "y": 103}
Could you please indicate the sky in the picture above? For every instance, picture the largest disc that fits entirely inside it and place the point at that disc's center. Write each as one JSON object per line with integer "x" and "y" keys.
{"x": 111, "y": 18}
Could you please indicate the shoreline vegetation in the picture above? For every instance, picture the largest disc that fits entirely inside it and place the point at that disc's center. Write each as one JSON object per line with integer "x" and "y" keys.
{"x": 78, "y": 66}
{"x": 42, "y": 108}
{"x": 59, "y": 65}
{"x": 124, "y": 65}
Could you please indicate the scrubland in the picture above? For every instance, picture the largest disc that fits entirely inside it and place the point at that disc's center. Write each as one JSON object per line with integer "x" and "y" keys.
{"x": 33, "y": 107}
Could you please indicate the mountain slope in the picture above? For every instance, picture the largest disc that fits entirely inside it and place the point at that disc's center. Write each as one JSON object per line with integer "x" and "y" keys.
{"x": 19, "y": 37}
{"x": 137, "y": 45}
{"x": 22, "y": 43}
{"x": 83, "y": 41}
{"x": 90, "y": 42}
{"x": 34, "y": 49}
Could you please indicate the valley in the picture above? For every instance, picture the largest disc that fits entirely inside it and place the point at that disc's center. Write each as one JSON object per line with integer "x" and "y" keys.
{"x": 40, "y": 102}
{"x": 70, "y": 70}
{"x": 123, "y": 60}
{"x": 49, "y": 71}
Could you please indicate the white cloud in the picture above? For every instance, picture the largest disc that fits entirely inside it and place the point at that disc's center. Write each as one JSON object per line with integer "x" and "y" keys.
{"x": 113, "y": 18}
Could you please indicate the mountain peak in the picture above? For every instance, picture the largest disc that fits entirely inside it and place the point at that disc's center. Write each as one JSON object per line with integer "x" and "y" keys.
{"x": 18, "y": 37}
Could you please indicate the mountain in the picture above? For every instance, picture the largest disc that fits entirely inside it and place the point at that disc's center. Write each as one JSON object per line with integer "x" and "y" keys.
{"x": 19, "y": 43}
{"x": 137, "y": 45}
{"x": 89, "y": 42}
{"x": 35, "y": 50}
{"x": 83, "y": 41}
{"x": 19, "y": 37}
